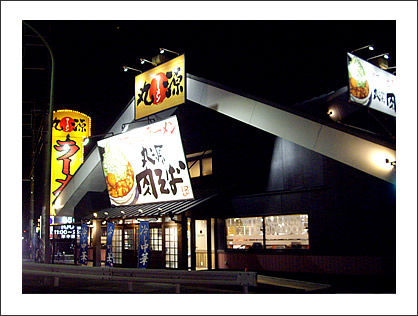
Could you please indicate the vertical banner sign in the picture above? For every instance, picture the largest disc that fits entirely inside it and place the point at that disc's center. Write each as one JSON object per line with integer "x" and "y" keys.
{"x": 84, "y": 244}
{"x": 109, "y": 252}
{"x": 143, "y": 248}
{"x": 160, "y": 88}
{"x": 146, "y": 165}
{"x": 69, "y": 128}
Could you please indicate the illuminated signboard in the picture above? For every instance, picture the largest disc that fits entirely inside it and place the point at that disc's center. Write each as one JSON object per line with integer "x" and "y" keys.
{"x": 146, "y": 165}
{"x": 69, "y": 128}
{"x": 160, "y": 88}
{"x": 371, "y": 86}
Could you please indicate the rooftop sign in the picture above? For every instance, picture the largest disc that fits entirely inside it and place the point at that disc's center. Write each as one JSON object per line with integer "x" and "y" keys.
{"x": 160, "y": 88}
{"x": 371, "y": 86}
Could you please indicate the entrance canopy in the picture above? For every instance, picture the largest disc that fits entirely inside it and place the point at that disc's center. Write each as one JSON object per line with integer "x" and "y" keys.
{"x": 155, "y": 209}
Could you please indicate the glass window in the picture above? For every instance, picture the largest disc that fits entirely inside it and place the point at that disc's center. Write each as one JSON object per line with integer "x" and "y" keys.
{"x": 243, "y": 233}
{"x": 129, "y": 239}
{"x": 194, "y": 168}
{"x": 200, "y": 164}
{"x": 117, "y": 246}
{"x": 281, "y": 232}
{"x": 171, "y": 247}
{"x": 287, "y": 231}
{"x": 156, "y": 239}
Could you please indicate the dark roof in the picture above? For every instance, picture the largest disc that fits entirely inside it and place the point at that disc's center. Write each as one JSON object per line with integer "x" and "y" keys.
{"x": 155, "y": 209}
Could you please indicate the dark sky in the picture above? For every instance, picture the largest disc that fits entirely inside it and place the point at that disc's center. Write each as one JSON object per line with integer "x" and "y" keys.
{"x": 282, "y": 61}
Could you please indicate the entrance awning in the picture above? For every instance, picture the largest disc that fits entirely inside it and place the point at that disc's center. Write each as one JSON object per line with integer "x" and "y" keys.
{"x": 155, "y": 209}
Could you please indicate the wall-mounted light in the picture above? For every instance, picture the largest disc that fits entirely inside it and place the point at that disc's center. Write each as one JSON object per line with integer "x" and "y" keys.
{"x": 106, "y": 213}
{"x": 88, "y": 222}
{"x": 104, "y": 223}
{"x": 385, "y": 56}
{"x": 87, "y": 139}
{"x": 370, "y": 47}
{"x": 126, "y": 68}
{"x": 162, "y": 50}
{"x": 123, "y": 212}
{"x": 95, "y": 214}
{"x": 143, "y": 61}
{"x": 392, "y": 163}
{"x": 120, "y": 222}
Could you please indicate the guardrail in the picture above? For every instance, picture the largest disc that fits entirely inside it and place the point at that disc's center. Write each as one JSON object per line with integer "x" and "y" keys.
{"x": 177, "y": 277}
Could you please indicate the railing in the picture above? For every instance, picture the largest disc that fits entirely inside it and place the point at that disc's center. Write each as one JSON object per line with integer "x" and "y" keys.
{"x": 177, "y": 277}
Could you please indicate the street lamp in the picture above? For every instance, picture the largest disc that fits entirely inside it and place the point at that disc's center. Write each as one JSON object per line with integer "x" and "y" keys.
{"x": 47, "y": 188}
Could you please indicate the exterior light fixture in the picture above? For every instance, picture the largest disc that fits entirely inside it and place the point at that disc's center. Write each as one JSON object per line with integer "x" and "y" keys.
{"x": 392, "y": 163}
{"x": 87, "y": 139}
{"x": 120, "y": 221}
{"x": 123, "y": 212}
{"x": 95, "y": 214}
{"x": 106, "y": 213}
{"x": 143, "y": 61}
{"x": 162, "y": 50}
{"x": 370, "y": 47}
{"x": 104, "y": 223}
{"x": 126, "y": 68}
{"x": 88, "y": 222}
{"x": 385, "y": 56}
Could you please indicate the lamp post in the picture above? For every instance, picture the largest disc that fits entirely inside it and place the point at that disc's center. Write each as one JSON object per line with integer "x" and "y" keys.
{"x": 48, "y": 142}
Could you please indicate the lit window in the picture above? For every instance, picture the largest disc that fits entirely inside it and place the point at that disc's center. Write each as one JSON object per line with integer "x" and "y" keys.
{"x": 200, "y": 164}
{"x": 281, "y": 232}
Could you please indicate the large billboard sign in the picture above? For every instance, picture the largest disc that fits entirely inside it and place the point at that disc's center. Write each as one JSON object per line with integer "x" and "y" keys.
{"x": 146, "y": 165}
{"x": 69, "y": 128}
{"x": 160, "y": 88}
{"x": 371, "y": 86}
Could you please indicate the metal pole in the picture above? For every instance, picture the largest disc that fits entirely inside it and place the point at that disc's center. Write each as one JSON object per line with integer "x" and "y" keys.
{"x": 48, "y": 142}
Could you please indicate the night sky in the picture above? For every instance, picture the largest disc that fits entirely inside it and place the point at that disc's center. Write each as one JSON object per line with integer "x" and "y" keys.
{"x": 281, "y": 61}
{"x": 285, "y": 52}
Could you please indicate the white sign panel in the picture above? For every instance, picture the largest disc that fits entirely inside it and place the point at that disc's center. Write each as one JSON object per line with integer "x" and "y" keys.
{"x": 146, "y": 165}
{"x": 371, "y": 86}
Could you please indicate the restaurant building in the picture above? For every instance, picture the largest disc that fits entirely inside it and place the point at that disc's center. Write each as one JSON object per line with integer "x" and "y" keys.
{"x": 274, "y": 189}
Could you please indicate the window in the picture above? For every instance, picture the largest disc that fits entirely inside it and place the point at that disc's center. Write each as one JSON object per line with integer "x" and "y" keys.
{"x": 244, "y": 233}
{"x": 117, "y": 246}
{"x": 200, "y": 164}
{"x": 156, "y": 239}
{"x": 171, "y": 247}
{"x": 129, "y": 239}
{"x": 281, "y": 232}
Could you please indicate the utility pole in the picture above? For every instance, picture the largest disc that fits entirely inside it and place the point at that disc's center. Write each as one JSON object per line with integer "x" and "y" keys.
{"x": 48, "y": 143}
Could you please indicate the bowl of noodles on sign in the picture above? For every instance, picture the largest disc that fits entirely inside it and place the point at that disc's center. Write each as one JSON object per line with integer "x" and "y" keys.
{"x": 360, "y": 90}
{"x": 119, "y": 176}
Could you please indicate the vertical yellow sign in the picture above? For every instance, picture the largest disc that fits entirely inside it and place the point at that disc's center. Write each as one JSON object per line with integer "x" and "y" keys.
{"x": 69, "y": 128}
{"x": 160, "y": 88}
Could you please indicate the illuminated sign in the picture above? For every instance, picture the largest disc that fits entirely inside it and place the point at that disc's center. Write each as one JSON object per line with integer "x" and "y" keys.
{"x": 160, "y": 88}
{"x": 146, "y": 165}
{"x": 65, "y": 231}
{"x": 371, "y": 86}
{"x": 69, "y": 128}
